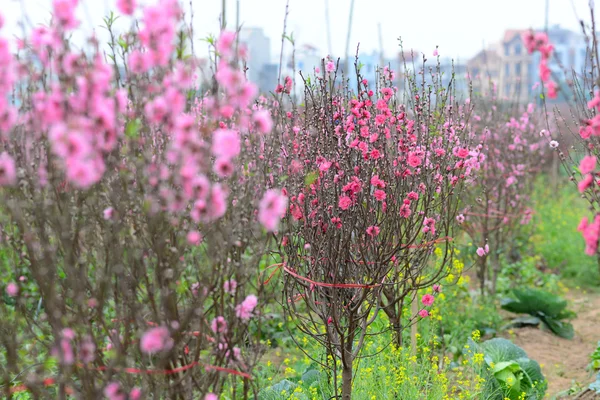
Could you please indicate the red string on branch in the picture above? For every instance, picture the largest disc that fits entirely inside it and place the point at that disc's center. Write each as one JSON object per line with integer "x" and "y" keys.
{"x": 51, "y": 382}
{"x": 342, "y": 285}
{"x": 331, "y": 285}
{"x": 427, "y": 244}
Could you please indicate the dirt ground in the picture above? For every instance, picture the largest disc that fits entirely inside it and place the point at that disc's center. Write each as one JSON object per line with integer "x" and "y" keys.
{"x": 564, "y": 361}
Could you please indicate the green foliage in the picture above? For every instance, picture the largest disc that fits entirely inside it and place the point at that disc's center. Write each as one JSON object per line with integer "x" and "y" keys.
{"x": 527, "y": 272}
{"x": 458, "y": 311}
{"x": 132, "y": 128}
{"x": 311, "y": 178}
{"x": 547, "y": 307}
{"x": 595, "y": 359}
{"x": 516, "y": 377}
{"x": 558, "y": 211}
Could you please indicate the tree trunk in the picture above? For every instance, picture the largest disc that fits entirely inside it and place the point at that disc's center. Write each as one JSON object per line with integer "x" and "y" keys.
{"x": 414, "y": 306}
{"x": 347, "y": 383}
{"x": 347, "y": 363}
{"x": 496, "y": 272}
{"x": 481, "y": 273}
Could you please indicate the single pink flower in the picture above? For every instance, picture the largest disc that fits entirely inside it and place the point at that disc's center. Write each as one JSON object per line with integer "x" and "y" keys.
{"x": 413, "y": 160}
{"x": 344, "y": 202}
{"x": 585, "y": 183}
{"x": 226, "y": 143}
{"x": 225, "y": 43}
{"x": 373, "y": 231}
{"x": 271, "y": 209}
{"x": 155, "y": 340}
{"x": 64, "y": 11}
{"x": 583, "y": 224}
{"x": 87, "y": 350}
{"x": 591, "y": 235}
{"x": 462, "y": 153}
{"x": 126, "y": 7}
{"x": 379, "y": 195}
{"x": 108, "y": 213}
{"x": 245, "y": 308}
{"x": 427, "y": 300}
{"x": 194, "y": 238}
{"x": 587, "y": 165}
{"x": 262, "y": 121}
{"x": 8, "y": 172}
{"x": 405, "y": 211}
{"x": 113, "y": 391}
{"x": 12, "y": 290}
{"x": 424, "y": 313}
{"x": 135, "y": 394}
{"x": 223, "y": 167}
{"x": 552, "y": 89}
{"x": 230, "y": 286}
{"x": 218, "y": 202}
{"x": 219, "y": 325}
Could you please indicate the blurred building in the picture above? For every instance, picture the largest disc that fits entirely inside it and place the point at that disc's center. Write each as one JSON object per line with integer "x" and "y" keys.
{"x": 267, "y": 80}
{"x": 484, "y": 70}
{"x": 515, "y": 72}
{"x": 258, "y": 46}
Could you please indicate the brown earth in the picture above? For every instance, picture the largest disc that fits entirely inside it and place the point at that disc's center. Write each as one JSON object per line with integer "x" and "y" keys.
{"x": 564, "y": 361}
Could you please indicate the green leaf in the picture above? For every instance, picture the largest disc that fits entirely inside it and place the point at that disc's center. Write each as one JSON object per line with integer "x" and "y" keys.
{"x": 499, "y": 349}
{"x": 311, "y": 178}
{"x": 286, "y": 385}
{"x": 506, "y": 365}
{"x": 132, "y": 128}
{"x": 123, "y": 43}
{"x": 549, "y": 308}
{"x": 532, "y": 371}
{"x": 521, "y": 322}
{"x": 509, "y": 380}
{"x": 560, "y": 328}
{"x": 534, "y": 301}
{"x": 311, "y": 376}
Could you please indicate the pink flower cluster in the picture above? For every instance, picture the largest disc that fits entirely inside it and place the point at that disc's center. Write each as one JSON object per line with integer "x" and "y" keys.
{"x": 8, "y": 113}
{"x": 483, "y": 251}
{"x": 592, "y": 125}
{"x": 591, "y": 234}
{"x": 586, "y": 167}
{"x": 538, "y": 41}
{"x": 427, "y": 300}
{"x": 286, "y": 87}
{"x": 114, "y": 391}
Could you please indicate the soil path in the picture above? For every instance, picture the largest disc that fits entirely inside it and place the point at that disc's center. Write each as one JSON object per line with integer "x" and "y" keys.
{"x": 564, "y": 361}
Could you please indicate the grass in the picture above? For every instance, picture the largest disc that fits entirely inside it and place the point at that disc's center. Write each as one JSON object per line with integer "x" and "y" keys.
{"x": 558, "y": 211}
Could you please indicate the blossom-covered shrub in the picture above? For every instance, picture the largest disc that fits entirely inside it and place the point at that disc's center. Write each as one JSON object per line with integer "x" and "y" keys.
{"x": 373, "y": 186}
{"x": 497, "y": 206}
{"x": 583, "y": 129}
{"x": 131, "y": 212}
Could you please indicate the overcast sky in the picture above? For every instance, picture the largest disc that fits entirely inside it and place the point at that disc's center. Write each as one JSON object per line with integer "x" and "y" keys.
{"x": 459, "y": 27}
